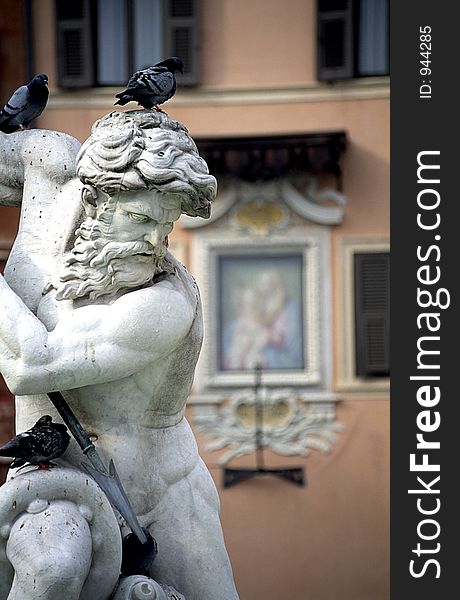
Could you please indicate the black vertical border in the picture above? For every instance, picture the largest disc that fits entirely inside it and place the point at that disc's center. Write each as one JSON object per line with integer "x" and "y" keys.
{"x": 419, "y": 124}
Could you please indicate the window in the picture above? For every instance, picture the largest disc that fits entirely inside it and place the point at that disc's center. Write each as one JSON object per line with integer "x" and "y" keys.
{"x": 102, "y": 42}
{"x": 352, "y": 39}
{"x": 372, "y": 318}
{"x": 362, "y": 350}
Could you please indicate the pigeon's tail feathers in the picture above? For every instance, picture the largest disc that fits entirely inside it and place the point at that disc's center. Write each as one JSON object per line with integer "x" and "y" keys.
{"x": 7, "y": 121}
{"x": 11, "y": 448}
{"x": 6, "y": 126}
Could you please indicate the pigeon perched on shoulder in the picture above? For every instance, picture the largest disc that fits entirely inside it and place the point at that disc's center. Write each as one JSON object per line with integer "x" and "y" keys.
{"x": 39, "y": 445}
{"x": 25, "y": 105}
{"x": 153, "y": 86}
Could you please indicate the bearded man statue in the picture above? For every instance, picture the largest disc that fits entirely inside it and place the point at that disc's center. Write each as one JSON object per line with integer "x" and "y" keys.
{"x": 108, "y": 317}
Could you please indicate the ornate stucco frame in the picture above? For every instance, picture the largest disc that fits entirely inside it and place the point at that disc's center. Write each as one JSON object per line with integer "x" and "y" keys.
{"x": 313, "y": 245}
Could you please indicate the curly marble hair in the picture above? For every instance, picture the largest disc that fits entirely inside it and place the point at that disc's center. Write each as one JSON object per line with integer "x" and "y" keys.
{"x": 145, "y": 149}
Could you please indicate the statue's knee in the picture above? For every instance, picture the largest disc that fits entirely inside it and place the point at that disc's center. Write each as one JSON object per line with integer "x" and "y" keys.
{"x": 51, "y": 538}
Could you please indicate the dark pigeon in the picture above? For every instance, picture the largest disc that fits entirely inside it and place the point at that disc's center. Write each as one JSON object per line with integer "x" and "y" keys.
{"x": 153, "y": 86}
{"x": 25, "y": 105}
{"x": 39, "y": 445}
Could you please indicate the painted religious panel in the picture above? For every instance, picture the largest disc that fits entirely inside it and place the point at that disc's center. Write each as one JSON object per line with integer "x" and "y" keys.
{"x": 263, "y": 303}
{"x": 260, "y": 312}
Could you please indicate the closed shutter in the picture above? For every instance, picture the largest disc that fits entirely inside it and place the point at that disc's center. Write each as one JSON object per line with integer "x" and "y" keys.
{"x": 181, "y": 37}
{"x": 372, "y": 314}
{"x": 75, "y": 43}
{"x": 335, "y": 39}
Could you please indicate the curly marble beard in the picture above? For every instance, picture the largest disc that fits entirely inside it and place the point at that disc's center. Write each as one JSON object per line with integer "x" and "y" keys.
{"x": 98, "y": 266}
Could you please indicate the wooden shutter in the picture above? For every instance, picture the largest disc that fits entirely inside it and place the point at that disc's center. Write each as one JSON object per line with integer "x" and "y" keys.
{"x": 335, "y": 39}
{"x": 372, "y": 314}
{"x": 75, "y": 43}
{"x": 181, "y": 37}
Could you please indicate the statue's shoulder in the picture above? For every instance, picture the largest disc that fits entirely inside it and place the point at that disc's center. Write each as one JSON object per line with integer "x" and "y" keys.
{"x": 181, "y": 273}
{"x": 174, "y": 279}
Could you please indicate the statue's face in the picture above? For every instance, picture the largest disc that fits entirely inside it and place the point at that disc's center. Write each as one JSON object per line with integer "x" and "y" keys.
{"x": 144, "y": 215}
{"x": 122, "y": 246}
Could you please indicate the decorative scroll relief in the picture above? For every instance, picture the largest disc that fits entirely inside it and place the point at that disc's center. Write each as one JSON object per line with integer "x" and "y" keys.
{"x": 263, "y": 206}
{"x": 260, "y": 216}
{"x": 289, "y": 426}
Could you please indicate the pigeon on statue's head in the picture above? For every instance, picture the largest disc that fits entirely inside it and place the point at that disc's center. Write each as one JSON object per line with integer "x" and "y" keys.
{"x": 153, "y": 86}
{"x": 25, "y": 105}
{"x": 39, "y": 445}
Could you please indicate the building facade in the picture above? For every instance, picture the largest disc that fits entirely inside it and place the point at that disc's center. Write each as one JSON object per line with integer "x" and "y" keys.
{"x": 289, "y": 104}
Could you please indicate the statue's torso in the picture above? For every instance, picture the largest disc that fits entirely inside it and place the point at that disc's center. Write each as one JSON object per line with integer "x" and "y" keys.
{"x": 127, "y": 418}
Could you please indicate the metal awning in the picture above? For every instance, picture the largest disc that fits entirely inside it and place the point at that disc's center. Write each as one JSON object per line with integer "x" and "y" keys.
{"x": 267, "y": 157}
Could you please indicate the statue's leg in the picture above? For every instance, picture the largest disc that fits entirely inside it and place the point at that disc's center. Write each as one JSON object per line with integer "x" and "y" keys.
{"x": 50, "y": 552}
{"x": 191, "y": 550}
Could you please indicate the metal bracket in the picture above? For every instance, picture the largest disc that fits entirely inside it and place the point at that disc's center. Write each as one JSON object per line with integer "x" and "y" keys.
{"x": 233, "y": 476}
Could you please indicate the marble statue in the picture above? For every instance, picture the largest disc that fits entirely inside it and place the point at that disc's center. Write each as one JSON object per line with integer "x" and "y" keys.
{"x": 93, "y": 305}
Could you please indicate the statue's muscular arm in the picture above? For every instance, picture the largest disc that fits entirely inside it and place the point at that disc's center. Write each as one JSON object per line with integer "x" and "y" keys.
{"x": 92, "y": 344}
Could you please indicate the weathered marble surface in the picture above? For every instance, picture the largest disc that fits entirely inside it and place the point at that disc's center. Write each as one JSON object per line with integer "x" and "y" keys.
{"x": 48, "y": 511}
{"x": 138, "y": 587}
{"x": 113, "y": 321}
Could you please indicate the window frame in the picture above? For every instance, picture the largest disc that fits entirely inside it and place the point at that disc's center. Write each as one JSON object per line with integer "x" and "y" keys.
{"x": 349, "y": 68}
{"x": 85, "y": 48}
{"x": 371, "y": 273}
{"x": 313, "y": 244}
{"x": 346, "y": 379}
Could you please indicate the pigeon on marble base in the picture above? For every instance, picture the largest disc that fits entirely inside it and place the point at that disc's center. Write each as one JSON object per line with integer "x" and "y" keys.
{"x": 25, "y": 105}
{"x": 39, "y": 445}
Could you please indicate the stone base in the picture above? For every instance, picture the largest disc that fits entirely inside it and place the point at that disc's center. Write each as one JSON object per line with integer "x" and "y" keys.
{"x": 138, "y": 587}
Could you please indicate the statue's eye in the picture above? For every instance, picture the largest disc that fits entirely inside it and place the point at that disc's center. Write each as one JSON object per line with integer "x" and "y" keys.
{"x": 138, "y": 218}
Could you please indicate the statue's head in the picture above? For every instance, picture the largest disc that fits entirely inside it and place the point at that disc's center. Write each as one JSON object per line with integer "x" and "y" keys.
{"x": 145, "y": 150}
{"x": 140, "y": 171}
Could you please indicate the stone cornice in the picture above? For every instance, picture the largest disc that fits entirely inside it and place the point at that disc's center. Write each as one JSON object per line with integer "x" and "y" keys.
{"x": 356, "y": 89}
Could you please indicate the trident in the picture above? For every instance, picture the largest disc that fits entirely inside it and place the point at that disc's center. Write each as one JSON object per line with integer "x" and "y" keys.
{"x": 108, "y": 480}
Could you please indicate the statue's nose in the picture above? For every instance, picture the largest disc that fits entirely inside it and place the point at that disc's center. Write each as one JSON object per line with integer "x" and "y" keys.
{"x": 156, "y": 237}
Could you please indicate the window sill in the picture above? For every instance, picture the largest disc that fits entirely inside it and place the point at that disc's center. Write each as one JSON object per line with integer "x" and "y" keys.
{"x": 355, "y": 89}
{"x": 363, "y": 386}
